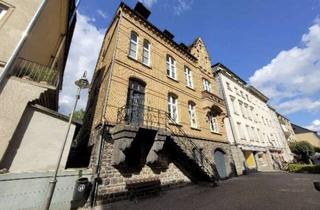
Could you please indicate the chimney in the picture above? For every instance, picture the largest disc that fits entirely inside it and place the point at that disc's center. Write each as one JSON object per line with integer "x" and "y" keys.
{"x": 142, "y": 10}
{"x": 168, "y": 34}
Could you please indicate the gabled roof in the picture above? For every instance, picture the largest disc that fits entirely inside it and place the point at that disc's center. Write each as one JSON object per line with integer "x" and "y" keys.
{"x": 299, "y": 129}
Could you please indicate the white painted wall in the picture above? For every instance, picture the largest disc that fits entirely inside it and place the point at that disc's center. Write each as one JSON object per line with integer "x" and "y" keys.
{"x": 256, "y": 116}
{"x": 37, "y": 141}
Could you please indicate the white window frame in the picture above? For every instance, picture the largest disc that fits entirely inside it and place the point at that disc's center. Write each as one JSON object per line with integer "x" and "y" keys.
{"x": 192, "y": 114}
{"x": 132, "y": 43}
{"x": 173, "y": 108}
{"x": 146, "y": 50}
{"x": 206, "y": 85}
{"x": 240, "y": 131}
{"x": 228, "y": 86}
{"x": 171, "y": 67}
{"x": 213, "y": 124}
{"x": 188, "y": 76}
{"x": 235, "y": 110}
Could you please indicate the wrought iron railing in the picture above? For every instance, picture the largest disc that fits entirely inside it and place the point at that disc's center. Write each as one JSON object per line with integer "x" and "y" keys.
{"x": 149, "y": 116}
{"x": 35, "y": 72}
{"x": 139, "y": 115}
{"x": 192, "y": 149}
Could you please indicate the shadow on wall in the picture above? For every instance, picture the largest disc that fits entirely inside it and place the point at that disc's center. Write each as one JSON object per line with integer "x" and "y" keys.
{"x": 16, "y": 140}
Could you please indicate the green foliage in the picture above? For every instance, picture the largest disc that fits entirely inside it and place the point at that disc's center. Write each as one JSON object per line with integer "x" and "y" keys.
{"x": 303, "y": 149}
{"x": 304, "y": 168}
{"x": 78, "y": 115}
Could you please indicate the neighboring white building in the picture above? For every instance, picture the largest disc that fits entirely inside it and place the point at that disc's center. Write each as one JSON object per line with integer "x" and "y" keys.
{"x": 252, "y": 127}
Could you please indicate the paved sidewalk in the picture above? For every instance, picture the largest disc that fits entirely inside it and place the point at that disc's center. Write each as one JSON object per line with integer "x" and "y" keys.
{"x": 270, "y": 191}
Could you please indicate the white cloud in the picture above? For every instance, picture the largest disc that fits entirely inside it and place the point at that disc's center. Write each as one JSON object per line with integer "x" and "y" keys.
{"x": 102, "y": 14}
{"x": 314, "y": 126}
{"x": 291, "y": 79}
{"x": 299, "y": 104}
{"x": 181, "y": 6}
{"x": 84, "y": 51}
{"x": 148, "y": 3}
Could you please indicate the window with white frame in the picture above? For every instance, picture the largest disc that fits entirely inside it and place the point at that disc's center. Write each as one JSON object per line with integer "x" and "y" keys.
{"x": 248, "y": 132}
{"x": 213, "y": 122}
{"x": 171, "y": 67}
{"x": 188, "y": 76}
{"x": 206, "y": 85}
{"x": 173, "y": 107}
{"x": 146, "y": 53}
{"x": 192, "y": 114}
{"x": 133, "y": 48}
{"x": 228, "y": 86}
{"x": 240, "y": 131}
{"x": 233, "y": 105}
{"x": 242, "y": 108}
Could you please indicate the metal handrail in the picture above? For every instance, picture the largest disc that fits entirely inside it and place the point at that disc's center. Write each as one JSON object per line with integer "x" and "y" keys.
{"x": 204, "y": 161}
{"x": 35, "y": 72}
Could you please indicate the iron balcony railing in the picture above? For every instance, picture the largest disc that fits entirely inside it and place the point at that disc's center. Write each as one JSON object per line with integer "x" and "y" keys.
{"x": 140, "y": 115}
{"x": 35, "y": 72}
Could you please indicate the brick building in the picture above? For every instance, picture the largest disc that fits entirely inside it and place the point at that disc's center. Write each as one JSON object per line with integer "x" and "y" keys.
{"x": 153, "y": 109}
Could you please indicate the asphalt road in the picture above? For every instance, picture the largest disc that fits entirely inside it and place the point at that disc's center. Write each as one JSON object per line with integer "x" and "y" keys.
{"x": 270, "y": 191}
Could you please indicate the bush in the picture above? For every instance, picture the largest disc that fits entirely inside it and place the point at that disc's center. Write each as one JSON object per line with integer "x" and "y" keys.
{"x": 303, "y": 149}
{"x": 304, "y": 168}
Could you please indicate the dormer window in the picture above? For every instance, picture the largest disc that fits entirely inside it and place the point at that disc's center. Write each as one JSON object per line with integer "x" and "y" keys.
{"x": 171, "y": 67}
{"x": 133, "y": 48}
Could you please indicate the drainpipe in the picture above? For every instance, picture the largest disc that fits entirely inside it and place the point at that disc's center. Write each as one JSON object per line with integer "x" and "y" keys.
{"x": 100, "y": 140}
{"x": 22, "y": 40}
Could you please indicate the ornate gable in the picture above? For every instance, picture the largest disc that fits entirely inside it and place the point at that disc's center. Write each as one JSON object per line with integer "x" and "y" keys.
{"x": 199, "y": 50}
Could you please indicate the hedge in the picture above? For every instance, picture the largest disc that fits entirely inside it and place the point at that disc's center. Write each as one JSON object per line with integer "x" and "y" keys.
{"x": 303, "y": 168}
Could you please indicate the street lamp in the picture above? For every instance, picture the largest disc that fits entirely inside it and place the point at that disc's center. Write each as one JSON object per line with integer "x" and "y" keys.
{"x": 82, "y": 83}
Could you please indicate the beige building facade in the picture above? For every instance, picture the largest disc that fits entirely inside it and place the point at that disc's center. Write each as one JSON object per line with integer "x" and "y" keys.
{"x": 287, "y": 128}
{"x": 35, "y": 38}
{"x": 303, "y": 134}
{"x": 157, "y": 103}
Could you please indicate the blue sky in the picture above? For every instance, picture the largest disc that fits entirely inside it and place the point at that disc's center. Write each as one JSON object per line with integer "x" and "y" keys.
{"x": 274, "y": 45}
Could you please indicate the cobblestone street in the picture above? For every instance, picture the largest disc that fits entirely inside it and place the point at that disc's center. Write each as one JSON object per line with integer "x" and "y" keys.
{"x": 254, "y": 191}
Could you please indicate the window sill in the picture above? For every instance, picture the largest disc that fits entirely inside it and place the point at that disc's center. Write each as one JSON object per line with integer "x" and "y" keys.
{"x": 216, "y": 133}
{"x": 175, "y": 124}
{"x": 173, "y": 79}
{"x": 194, "y": 128}
{"x": 137, "y": 61}
{"x": 190, "y": 88}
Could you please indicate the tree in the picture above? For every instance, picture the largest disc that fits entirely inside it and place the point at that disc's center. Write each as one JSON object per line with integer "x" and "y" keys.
{"x": 78, "y": 115}
{"x": 303, "y": 149}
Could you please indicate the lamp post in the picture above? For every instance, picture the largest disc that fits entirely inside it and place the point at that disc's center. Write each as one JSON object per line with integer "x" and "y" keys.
{"x": 82, "y": 83}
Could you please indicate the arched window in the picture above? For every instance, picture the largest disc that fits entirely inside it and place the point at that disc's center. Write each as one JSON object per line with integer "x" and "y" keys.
{"x": 171, "y": 67}
{"x": 173, "y": 107}
{"x": 133, "y": 48}
{"x": 146, "y": 53}
{"x": 192, "y": 114}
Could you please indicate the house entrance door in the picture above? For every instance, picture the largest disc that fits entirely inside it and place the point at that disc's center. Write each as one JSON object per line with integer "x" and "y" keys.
{"x": 135, "y": 102}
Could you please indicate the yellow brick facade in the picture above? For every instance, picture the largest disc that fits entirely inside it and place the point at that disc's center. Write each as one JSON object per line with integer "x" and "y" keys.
{"x": 114, "y": 57}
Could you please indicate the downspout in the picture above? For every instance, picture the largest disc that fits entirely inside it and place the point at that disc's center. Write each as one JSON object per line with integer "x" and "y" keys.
{"x": 23, "y": 38}
{"x": 100, "y": 140}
